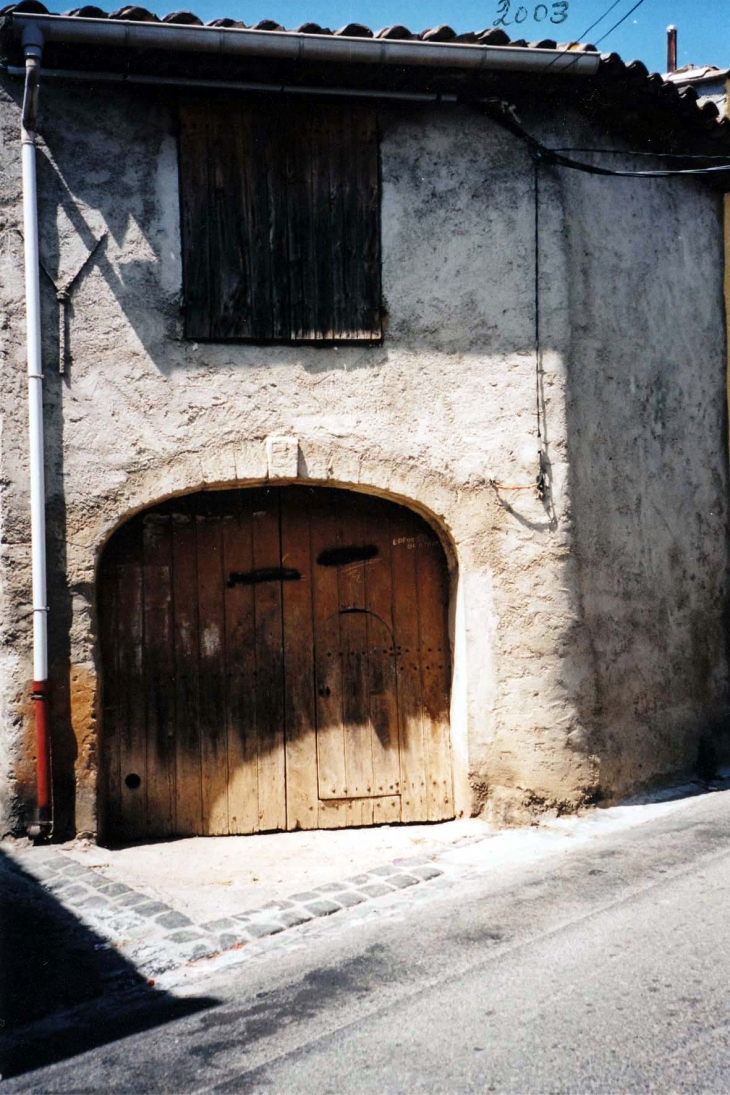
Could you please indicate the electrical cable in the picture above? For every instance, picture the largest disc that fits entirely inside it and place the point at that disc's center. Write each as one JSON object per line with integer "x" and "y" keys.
{"x": 540, "y": 482}
{"x": 543, "y": 154}
{"x": 537, "y": 300}
{"x": 621, "y": 20}
{"x": 603, "y": 36}
{"x": 587, "y": 31}
{"x": 592, "y": 169}
{"x": 658, "y": 155}
{"x": 582, "y": 37}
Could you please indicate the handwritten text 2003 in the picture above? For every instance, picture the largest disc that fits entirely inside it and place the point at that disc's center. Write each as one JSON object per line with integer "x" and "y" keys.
{"x": 557, "y": 12}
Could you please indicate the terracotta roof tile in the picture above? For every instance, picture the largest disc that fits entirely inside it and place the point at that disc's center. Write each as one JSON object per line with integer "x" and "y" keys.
{"x": 629, "y": 86}
{"x": 355, "y": 30}
{"x": 183, "y": 18}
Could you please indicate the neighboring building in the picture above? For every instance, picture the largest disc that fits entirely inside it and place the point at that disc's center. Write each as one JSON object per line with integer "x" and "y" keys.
{"x": 709, "y": 82}
{"x": 290, "y": 396}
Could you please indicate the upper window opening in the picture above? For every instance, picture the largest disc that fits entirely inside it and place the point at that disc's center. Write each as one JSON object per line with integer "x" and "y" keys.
{"x": 280, "y": 220}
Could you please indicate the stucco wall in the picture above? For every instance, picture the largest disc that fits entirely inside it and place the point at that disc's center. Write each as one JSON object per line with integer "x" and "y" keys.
{"x": 587, "y": 630}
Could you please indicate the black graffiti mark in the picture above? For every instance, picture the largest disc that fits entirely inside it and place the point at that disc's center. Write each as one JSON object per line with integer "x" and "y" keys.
{"x": 262, "y": 574}
{"x": 558, "y": 8}
{"x": 337, "y": 557}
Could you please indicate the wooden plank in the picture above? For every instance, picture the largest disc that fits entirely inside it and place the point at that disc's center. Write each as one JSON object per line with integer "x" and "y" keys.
{"x": 257, "y": 226}
{"x": 332, "y": 778}
{"x": 254, "y": 296}
{"x": 299, "y": 695}
{"x": 269, "y": 688}
{"x": 213, "y": 737}
{"x": 387, "y": 810}
{"x": 159, "y": 674}
{"x": 383, "y": 685}
{"x": 243, "y": 792}
{"x": 282, "y": 165}
{"x": 355, "y": 223}
{"x": 346, "y": 814}
{"x": 133, "y": 739}
{"x": 433, "y": 600}
{"x": 188, "y": 773}
{"x": 366, "y": 320}
{"x": 340, "y": 178}
{"x": 194, "y": 215}
{"x": 414, "y": 806}
{"x": 112, "y": 712}
{"x": 301, "y": 237}
{"x": 357, "y": 728}
{"x": 229, "y": 274}
{"x": 320, "y": 247}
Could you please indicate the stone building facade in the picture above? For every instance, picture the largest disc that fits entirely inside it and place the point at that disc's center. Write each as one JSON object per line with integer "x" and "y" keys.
{"x": 587, "y": 619}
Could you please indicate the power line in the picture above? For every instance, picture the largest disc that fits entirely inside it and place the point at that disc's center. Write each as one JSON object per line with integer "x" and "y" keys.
{"x": 621, "y": 20}
{"x": 543, "y": 154}
{"x": 582, "y": 37}
{"x": 600, "y": 19}
{"x": 603, "y": 37}
{"x": 657, "y": 155}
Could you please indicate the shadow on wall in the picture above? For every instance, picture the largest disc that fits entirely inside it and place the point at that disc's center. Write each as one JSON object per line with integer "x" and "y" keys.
{"x": 82, "y": 197}
{"x": 51, "y": 965}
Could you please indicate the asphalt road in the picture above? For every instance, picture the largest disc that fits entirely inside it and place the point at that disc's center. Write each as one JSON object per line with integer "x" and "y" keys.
{"x": 605, "y": 969}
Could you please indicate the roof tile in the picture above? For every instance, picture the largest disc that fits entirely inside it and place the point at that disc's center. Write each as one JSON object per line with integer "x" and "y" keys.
{"x": 355, "y": 30}
{"x": 631, "y": 82}
{"x": 183, "y": 18}
{"x": 396, "y": 32}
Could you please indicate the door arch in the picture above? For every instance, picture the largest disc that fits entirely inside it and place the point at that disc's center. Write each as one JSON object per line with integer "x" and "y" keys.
{"x": 273, "y": 658}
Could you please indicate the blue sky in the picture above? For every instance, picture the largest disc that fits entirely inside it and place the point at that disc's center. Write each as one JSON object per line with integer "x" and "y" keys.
{"x": 704, "y": 25}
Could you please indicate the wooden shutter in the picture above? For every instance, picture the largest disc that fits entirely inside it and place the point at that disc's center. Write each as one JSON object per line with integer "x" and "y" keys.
{"x": 280, "y": 220}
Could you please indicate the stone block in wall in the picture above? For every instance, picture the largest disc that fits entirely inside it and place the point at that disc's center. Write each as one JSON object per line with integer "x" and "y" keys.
{"x": 282, "y": 457}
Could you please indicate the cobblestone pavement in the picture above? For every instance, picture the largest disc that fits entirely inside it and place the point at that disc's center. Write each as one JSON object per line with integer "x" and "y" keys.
{"x": 158, "y": 940}
{"x": 125, "y": 940}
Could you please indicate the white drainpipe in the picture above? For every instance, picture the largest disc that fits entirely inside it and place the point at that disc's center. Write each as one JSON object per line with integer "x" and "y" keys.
{"x": 32, "y": 46}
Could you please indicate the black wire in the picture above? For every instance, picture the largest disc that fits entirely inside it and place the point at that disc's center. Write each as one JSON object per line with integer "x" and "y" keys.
{"x": 621, "y": 20}
{"x": 544, "y": 154}
{"x": 592, "y": 169}
{"x": 600, "y": 19}
{"x": 599, "y": 40}
{"x": 659, "y": 155}
{"x": 587, "y": 31}
{"x": 537, "y": 306}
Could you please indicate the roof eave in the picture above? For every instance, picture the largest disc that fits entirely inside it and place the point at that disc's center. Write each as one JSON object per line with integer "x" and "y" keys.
{"x": 295, "y": 46}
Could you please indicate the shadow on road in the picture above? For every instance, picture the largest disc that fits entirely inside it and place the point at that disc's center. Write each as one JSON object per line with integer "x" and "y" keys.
{"x": 63, "y": 989}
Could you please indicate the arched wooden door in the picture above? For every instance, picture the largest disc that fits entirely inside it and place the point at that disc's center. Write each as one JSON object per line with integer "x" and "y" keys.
{"x": 274, "y": 658}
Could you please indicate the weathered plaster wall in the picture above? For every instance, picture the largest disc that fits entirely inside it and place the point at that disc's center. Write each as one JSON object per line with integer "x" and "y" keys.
{"x": 646, "y": 423}
{"x": 587, "y": 631}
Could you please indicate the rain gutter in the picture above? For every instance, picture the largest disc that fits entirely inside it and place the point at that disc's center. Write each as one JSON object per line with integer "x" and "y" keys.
{"x": 293, "y": 46}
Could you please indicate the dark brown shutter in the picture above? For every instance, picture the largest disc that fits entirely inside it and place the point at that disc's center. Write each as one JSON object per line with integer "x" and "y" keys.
{"x": 280, "y": 220}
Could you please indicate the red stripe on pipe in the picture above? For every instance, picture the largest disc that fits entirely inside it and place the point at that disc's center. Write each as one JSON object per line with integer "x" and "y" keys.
{"x": 43, "y": 763}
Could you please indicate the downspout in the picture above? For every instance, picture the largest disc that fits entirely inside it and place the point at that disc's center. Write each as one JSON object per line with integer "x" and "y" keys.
{"x": 32, "y": 47}
{"x": 726, "y": 279}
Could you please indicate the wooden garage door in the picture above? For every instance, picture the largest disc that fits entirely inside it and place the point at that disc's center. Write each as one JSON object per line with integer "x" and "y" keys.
{"x": 273, "y": 659}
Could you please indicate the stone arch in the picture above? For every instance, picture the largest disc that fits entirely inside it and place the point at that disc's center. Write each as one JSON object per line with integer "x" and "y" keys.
{"x": 431, "y": 492}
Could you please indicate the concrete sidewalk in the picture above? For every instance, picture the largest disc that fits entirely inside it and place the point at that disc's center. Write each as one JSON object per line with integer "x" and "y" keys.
{"x": 208, "y": 877}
